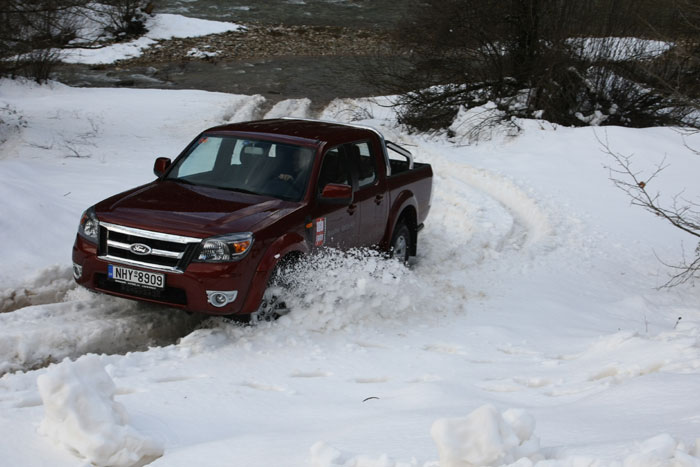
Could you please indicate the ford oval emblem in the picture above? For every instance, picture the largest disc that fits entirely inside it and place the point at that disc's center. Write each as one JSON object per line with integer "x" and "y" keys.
{"x": 140, "y": 249}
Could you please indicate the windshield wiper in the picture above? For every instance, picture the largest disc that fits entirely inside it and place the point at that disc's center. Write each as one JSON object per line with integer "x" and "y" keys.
{"x": 240, "y": 190}
{"x": 181, "y": 180}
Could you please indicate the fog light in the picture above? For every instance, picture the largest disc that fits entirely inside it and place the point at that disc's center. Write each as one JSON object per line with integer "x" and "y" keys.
{"x": 219, "y": 298}
{"x": 77, "y": 271}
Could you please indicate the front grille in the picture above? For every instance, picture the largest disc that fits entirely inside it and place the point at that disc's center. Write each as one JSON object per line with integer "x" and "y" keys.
{"x": 171, "y": 295}
{"x": 166, "y": 252}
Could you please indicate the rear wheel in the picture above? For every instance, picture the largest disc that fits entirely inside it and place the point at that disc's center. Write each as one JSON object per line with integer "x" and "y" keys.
{"x": 401, "y": 242}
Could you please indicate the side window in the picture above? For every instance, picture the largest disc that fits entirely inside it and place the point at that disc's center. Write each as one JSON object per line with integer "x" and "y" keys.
{"x": 334, "y": 169}
{"x": 202, "y": 157}
{"x": 366, "y": 164}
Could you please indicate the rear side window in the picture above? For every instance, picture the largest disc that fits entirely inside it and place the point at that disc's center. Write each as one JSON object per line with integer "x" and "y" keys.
{"x": 366, "y": 165}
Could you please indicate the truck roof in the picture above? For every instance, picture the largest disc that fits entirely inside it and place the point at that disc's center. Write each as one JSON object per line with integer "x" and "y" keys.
{"x": 314, "y": 130}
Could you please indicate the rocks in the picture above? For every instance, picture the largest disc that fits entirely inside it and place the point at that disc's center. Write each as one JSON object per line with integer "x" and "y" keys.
{"x": 260, "y": 41}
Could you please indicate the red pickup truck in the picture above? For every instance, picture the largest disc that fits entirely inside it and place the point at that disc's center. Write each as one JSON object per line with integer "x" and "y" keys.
{"x": 244, "y": 198}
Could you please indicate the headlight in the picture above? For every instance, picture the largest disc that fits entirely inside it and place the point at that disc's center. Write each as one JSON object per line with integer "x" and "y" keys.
{"x": 230, "y": 247}
{"x": 89, "y": 225}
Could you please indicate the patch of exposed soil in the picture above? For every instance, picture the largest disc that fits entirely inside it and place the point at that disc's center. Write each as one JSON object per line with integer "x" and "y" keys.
{"x": 262, "y": 41}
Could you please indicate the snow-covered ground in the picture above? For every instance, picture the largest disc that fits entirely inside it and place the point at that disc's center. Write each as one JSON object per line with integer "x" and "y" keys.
{"x": 160, "y": 26}
{"x": 529, "y": 330}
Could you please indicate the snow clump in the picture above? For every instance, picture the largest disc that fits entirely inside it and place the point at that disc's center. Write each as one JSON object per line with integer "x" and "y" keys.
{"x": 664, "y": 450}
{"x": 333, "y": 290}
{"x": 80, "y": 413}
{"x": 323, "y": 455}
{"x": 486, "y": 437}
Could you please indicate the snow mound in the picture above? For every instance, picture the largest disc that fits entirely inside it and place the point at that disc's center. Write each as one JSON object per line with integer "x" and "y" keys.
{"x": 323, "y": 455}
{"x": 49, "y": 285}
{"x": 244, "y": 109}
{"x": 82, "y": 415}
{"x": 664, "y": 450}
{"x": 160, "y": 26}
{"x": 334, "y": 290}
{"x": 618, "y": 48}
{"x": 297, "y": 108}
{"x": 486, "y": 437}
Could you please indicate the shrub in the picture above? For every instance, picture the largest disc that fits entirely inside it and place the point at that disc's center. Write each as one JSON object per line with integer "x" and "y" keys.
{"x": 573, "y": 63}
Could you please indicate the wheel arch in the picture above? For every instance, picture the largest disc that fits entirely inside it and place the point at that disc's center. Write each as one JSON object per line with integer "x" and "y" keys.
{"x": 405, "y": 209}
{"x": 288, "y": 247}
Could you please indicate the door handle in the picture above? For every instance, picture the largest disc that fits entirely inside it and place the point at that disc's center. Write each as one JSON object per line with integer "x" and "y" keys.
{"x": 378, "y": 199}
{"x": 352, "y": 208}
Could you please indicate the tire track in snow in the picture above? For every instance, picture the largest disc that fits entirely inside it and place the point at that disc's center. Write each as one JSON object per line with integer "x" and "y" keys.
{"x": 50, "y": 286}
{"x": 476, "y": 217}
{"x": 82, "y": 322}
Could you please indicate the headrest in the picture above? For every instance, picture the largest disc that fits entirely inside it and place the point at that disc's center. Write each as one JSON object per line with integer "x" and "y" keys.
{"x": 250, "y": 153}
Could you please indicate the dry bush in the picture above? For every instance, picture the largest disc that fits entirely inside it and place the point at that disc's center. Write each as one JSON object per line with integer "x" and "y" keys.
{"x": 537, "y": 57}
{"x": 32, "y": 34}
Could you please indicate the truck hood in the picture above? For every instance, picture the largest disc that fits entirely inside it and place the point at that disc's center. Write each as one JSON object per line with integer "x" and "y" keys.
{"x": 190, "y": 210}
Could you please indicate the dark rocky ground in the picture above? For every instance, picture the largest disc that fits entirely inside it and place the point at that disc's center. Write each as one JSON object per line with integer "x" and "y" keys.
{"x": 262, "y": 41}
{"x": 277, "y": 61}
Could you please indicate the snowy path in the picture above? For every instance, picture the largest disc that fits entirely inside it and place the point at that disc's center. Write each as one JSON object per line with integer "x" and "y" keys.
{"x": 535, "y": 288}
{"x": 478, "y": 217}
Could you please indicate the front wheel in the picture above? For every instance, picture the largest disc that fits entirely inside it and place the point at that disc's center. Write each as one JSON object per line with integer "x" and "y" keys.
{"x": 272, "y": 305}
{"x": 400, "y": 247}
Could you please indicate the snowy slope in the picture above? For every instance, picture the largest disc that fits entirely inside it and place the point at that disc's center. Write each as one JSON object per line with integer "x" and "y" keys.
{"x": 535, "y": 288}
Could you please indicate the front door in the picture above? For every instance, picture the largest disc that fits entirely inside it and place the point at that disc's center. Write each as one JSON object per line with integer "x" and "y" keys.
{"x": 335, "y": 225}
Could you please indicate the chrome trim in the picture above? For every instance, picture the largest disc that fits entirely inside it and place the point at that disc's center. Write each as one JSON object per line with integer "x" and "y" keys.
{"x": 154, "y": 251}
{"x": 150, "y": 234}
{"x": 77, "y": 271}
{"x": 401, "y": 151}
{"x": 140, "y": 249}
{"x": 131, "y": 262}
{"x": 229, "y": 295}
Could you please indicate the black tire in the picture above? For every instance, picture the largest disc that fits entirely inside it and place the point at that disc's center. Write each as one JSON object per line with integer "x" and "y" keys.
{"x": 272, "y": 306}
{"x": 401, "y": 242}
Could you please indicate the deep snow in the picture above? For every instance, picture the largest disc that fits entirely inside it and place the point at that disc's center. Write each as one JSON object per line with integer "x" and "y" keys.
{"x": 531, "y": 313}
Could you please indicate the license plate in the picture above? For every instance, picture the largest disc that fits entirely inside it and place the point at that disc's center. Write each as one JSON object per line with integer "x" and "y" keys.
{"x": 150, "y": 280}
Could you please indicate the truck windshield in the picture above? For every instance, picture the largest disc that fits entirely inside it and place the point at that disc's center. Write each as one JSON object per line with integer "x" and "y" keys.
{"x": 250, "y": 166}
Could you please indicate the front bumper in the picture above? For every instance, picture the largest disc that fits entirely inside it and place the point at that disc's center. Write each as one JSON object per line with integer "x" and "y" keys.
{"x": 194, "y": 289}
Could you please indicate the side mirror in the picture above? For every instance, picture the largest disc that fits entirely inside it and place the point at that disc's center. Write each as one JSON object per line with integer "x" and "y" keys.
{"x": 161, "y": 165}
{"x": 336, "y": 193}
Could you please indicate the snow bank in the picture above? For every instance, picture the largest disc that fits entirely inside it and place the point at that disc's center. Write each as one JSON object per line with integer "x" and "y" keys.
{"x": 82, "y": 415}
{"x": 79, "y": 322}
{"x": 618, "y": 48}
{"x": 297, "y": 108}
{"x": 486, "y": 437}
{"x": 160, "y": 27}
{"x": 335, "y": 289}
{"x": 49, "y": 285}
{"x": 323, "y": 455}
{"x": 664, "y": 450}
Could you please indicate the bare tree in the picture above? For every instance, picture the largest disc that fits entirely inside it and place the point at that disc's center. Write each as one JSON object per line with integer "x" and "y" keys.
{"x": 680, "y": 212}
{"x": 549, "y": 57}
{"x": 32, "y": 34}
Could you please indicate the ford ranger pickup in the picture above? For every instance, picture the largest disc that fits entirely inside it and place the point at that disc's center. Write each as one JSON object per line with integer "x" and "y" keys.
{"x": 241, "y": 199}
